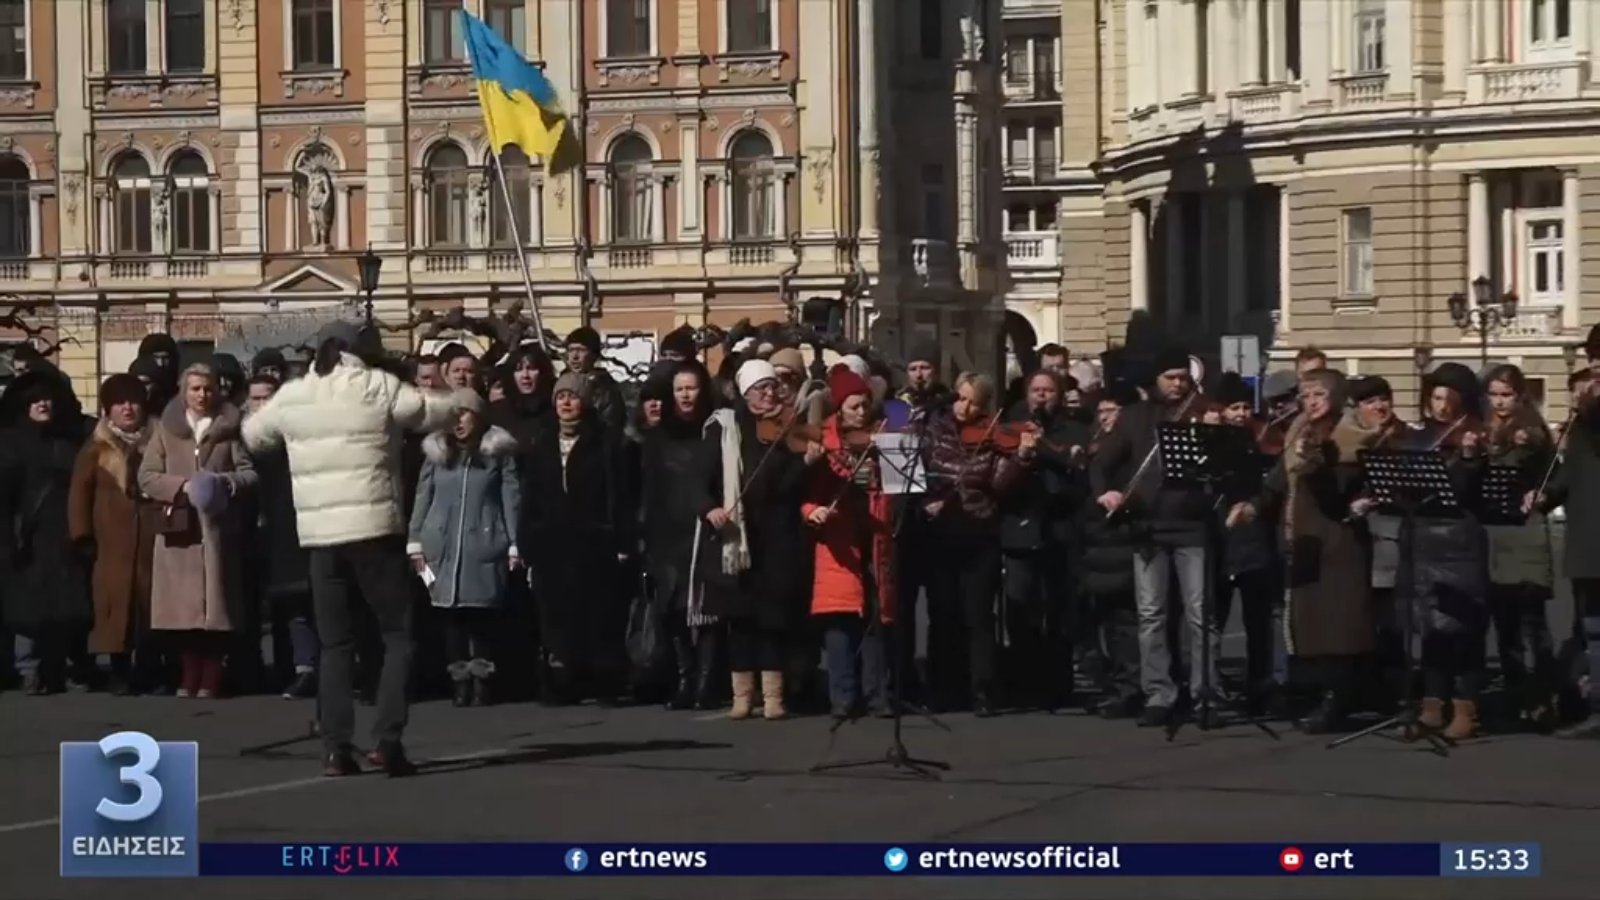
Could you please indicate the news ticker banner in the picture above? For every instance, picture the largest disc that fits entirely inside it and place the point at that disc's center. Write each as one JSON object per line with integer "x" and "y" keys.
{"x": 129, "y": 809}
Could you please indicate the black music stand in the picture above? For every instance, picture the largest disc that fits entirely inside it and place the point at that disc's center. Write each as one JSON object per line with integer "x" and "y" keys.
{"x": 1213, "y": 458}
{"x": 1408, "y": 483}
{"x": 897, "y": 757}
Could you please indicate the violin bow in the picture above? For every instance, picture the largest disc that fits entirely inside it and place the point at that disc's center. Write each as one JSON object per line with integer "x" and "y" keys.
{"x": 866, "y": 453}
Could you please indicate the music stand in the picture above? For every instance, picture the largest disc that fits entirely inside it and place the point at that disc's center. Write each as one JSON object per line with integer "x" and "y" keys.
{"x": 1408, "y": 483}
{"x": 1503, "y": 489}
{"x": 914, "y": 476}
{"x": 1213, "y": 458}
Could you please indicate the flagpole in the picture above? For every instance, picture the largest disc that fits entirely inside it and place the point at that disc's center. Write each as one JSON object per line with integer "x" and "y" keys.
{"x": 522, "y": 252}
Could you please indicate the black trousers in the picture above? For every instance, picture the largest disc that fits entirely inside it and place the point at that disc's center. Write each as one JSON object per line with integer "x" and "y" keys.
{"x": 379, "y": 569}
{"x": 1522, "y": 635}
{"x": 963, "y": 583}
{"x": 1038, "y": 614}
{"x": 469, "y": 641}
{"x": 1586, "y": 596}
{"x": 752, "y": 648}
{"x": 913, "y": 575}
{"x": 1454, "y": 664}
{"x": 1116, "y": 615}
{"x": 1260, "y": 602}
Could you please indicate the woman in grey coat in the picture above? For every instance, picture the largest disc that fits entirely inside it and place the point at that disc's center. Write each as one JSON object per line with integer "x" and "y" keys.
{"x": 463, "y": 539}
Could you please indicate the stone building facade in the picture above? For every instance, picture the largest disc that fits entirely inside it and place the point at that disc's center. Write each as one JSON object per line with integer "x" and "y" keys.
{"x": 1330, "y": 173}
{"x": 231, "y": 160}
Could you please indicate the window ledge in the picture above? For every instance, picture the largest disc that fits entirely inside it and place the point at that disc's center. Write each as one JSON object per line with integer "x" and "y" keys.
{"x": 18, "y": 92}
{"x": 749, "y": 64}
{"x": 1355, "y": 305}
{"x": 440, "y": 76}
{"x": 630, "y": 70}
{"x": 313, "y": 81}
{"x": 156, "y": 88}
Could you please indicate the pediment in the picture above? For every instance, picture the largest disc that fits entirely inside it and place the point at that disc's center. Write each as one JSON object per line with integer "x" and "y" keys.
{"x": 309, "y": 279}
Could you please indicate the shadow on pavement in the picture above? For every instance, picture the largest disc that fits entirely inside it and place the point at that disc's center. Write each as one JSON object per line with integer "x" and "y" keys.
{"x": 543, "y": 753}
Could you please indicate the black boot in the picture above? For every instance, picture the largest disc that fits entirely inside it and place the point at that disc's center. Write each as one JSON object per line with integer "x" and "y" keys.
{"x": 707, "y": 686}
{"x": 1327, "y": 718}
{"x": 481, "y": 695}
{"x": 683, "y": 695}
{"x": 461, "y": 692}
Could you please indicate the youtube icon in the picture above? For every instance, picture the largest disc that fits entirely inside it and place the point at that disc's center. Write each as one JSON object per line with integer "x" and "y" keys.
{"x": 1291, "y": 859}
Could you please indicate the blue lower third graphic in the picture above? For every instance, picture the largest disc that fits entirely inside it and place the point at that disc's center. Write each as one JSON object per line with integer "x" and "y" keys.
{"x": 577, "y": 860}
{"x": 895, "y": 859}
{"x": 130, "y": 808}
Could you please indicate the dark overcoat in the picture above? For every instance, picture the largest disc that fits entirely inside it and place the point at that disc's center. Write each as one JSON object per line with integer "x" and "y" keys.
{"x": 1575, "y": 488}
{"x": 43, "y": 582}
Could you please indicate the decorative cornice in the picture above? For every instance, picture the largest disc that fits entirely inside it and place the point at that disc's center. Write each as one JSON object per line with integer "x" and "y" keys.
{"x": 146, "y": 122}
{"x": 324, "y": 81}
{"x": 632, "y": 71}
{"x": 668, "y": 103}
{"x": 750, "y": 65}
{"x": 319, "y": 116}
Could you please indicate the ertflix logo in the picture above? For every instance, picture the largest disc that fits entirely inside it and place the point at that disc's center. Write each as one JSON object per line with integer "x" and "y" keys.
{"x": 576, "y": 860}
{"x": 1291, "y": 859}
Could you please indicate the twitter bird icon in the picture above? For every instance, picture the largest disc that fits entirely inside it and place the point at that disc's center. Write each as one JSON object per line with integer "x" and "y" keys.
{"x": 895, "y": 860}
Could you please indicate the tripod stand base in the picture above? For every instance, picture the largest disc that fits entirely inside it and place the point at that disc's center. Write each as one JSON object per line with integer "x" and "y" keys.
{"x": 897, "y": 758}
{"x": 1411, "y": 731}
{"x": 1204, "y": 716}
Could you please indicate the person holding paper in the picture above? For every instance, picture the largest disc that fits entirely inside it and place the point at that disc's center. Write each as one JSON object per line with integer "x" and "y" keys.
{"x": 852, "y": 531}
{"x": 463, "y": 540}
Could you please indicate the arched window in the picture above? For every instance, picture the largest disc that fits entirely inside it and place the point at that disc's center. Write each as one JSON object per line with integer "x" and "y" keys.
{"x": 754, "y": 182}
{"x": 16, "y": 209}
{"x": 191, "y": 203}
{"x": 130, "y": 185}
{"x": 446, "y": 179}
{"x": 630, "y": 190}
{"x": 519, "y": 185}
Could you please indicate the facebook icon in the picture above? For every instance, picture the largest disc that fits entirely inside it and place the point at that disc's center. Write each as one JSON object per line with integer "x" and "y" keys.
{"x": 577, "y": 860}
{"x": 130, "y": 808}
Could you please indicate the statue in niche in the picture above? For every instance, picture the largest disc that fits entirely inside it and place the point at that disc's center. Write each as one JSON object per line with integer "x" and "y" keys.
{"x": 317, "y": 190}
{"x": 158, "y": 212}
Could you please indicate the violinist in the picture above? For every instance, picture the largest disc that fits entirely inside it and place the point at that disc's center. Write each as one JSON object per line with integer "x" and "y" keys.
{"x": 754, "y": 569}
{"x": 1039, "y": 543}
{"x": 1175, "y": 525}
{"x": 1309, "y": 497}
{"x": 1518, "y": 437}
{"x": 973, "y": 461}
{"x": 1106, "y": 574}
{"x": 1449, "y": 589}
{"x": 1254, "y": 565}
{"x": 852, "y": 536}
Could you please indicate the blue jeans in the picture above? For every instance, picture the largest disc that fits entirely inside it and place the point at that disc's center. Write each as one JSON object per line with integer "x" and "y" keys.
{"x": 845, "y": 637}
{"x": 24, "y": 655}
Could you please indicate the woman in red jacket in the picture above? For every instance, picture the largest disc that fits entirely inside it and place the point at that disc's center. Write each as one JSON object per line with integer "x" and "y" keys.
{"x": 852, "y": 535}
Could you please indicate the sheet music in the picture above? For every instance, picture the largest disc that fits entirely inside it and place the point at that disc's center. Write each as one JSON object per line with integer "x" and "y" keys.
{"x": 900, "y": 463}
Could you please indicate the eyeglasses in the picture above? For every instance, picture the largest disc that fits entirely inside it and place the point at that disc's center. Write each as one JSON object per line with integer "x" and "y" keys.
{"x": 763, "y": 387}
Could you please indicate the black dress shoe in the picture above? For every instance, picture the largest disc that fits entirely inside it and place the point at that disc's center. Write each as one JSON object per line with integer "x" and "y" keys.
{"x": 340, "y": 763}
{"x": 1155, "y": 717}
{"x": 683, "y": 696}
{"x": 391, "y": 757}
{"x": 1327, "y": 718}
{"x": 461, "y": 693}
{"x": 303, "y": 687}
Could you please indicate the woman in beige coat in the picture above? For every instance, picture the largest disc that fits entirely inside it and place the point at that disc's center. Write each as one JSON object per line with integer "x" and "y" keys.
{"x": 195, "y": 466}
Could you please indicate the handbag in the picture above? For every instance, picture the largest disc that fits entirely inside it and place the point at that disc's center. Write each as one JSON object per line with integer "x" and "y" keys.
{"x": 177, "y": 518}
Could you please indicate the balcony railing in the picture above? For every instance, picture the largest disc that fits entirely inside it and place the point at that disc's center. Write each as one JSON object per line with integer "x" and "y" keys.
{"x": 1042, "y": 84}
{"x": 750, "y": 254}
{"x": 1363, "y": 90}
{"x": 188, "y": 268}
{"x": 1527, "y": 82}
{"x": 14, "y": 270}
{"x": 932, "y": 261}
{"x": 631, "y": 257}
{"x": 129, "y": 268}
{"x": 445, "y": 262}
{"x": 1542, "y": 321}
{"x": 1033, "y": 250}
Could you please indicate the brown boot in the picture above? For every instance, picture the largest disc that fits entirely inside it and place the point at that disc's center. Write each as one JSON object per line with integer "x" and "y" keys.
{"x": 744, "y": 695}
{"x": 1432, "y": 713}
{"x": 1463, "y": 720}
{"x": 772, "y": 696}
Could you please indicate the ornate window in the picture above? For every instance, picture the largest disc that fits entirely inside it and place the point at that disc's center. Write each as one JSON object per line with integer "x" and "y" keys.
{"x": 519, "y": 186}
{"x": 755, "y": 187}
{"x": 1371, "y": 25}
{"x": 631, "y": 191}
{"x": 628, "y": 28}
{"x": 750, "y": 25}
{"x": 131, "y": 185}
{"x": 126, "y": 50}
{"x": 14, "y": 39}
{"x": 446, "y": 177}
{"x": 509, "y": 19}
{"x": 16, "y": 209}
{"x": 313, "y": 34}
{"x": 186, "y": 35}
{"x": 191, "y": 203}
{"x": 442, "y": 40}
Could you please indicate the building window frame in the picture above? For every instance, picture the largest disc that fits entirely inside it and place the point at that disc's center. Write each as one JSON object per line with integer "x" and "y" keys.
{"x": 519, "y": 183}
{"x": 132, "y": 204}
{"x": 189, "y": 198}
{"x": 753, "y": 186}
{"x": 17, "y": 65}
{"x": 632, "y": 194}
{"x": 448, "y": 198}
{"x": 509, "y": 19}
{"x": 127, "y": 37}
{"x": 184, "y": 45}
{"x": 1547, "y": 28}
{"x": 296, "y": 10}
{"x": 444, "y": 40}
{"x": 1369, "y": 38}
{"x": 609, "y": 9}
{"x": 727, "y": 14}
{"x": 17, "y": 210}
{"x": 1357, "y": 258}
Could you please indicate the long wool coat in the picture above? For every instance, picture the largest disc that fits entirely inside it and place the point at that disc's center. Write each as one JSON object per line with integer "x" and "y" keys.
{"x": 198, "y": 579}
{"x": 105, "y": 506}
{"x": 464, "y": 522}
{"x": 42, "y": 582}
{"x": 853, "y": 552}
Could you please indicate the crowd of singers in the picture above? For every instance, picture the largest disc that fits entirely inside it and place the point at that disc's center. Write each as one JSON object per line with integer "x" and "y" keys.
{"x": 712, "y": 543}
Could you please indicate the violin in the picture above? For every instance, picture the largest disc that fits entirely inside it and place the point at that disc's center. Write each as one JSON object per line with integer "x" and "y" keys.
{"x": 1269, "y": 434}
{"x": 990, "y": 433}
{"x": 788, "y": 428}
{"x": 1453, "y": 435}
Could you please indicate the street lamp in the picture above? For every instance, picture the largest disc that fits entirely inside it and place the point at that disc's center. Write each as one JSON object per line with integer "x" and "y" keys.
{"x": 371, "y": 265}
{"x": 1483, "y": 313}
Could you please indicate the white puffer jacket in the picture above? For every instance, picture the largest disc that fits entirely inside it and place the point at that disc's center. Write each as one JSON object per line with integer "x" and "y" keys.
{"x": 343, "y": 432}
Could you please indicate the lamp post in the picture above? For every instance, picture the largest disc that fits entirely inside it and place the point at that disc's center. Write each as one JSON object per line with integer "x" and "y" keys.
{"x": 1483, "y": 312}
{"x": 371, "y": 266}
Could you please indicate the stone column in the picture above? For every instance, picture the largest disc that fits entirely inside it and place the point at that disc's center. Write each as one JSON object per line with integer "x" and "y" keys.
{"x": 563, "y": 54}
{"x": 1572, "y": 249}
{"x": 691, "y": 193}
{"x": 1285, "y": 257}
{"x": 387, "y": 163}
{"x": 1478, "y": 242}
{"x": 1457, "y": 46}
{"x": 867, "y": 93}
{"x": 1139, "y": 255}
{"x": 79, "y": 206}
{"x": 1250, "y": 47}
{"x": 819, "y": 93}
{"x": 240, "y": 160}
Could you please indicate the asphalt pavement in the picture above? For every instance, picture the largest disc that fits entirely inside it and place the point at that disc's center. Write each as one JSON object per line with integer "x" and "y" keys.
{"x": 583, "y": 775}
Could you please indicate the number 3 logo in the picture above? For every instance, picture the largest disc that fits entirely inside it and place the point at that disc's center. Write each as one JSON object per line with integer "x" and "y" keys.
{"x": 147, "y": 755}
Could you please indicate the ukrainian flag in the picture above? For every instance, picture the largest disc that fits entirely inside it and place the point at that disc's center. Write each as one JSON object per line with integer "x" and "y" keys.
{"x": 519, "y": 104}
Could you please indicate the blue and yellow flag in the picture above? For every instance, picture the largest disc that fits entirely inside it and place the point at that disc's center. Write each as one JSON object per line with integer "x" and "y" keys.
{"x": 519, "y": 103}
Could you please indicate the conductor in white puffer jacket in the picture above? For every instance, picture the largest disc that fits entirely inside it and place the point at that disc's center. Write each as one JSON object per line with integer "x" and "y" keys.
{"x": 343, "y": 425}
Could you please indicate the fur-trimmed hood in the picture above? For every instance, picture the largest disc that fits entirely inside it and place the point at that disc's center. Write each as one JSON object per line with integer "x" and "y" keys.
{"x": 496, "y": 443}
{"x": 224, "y": 423}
